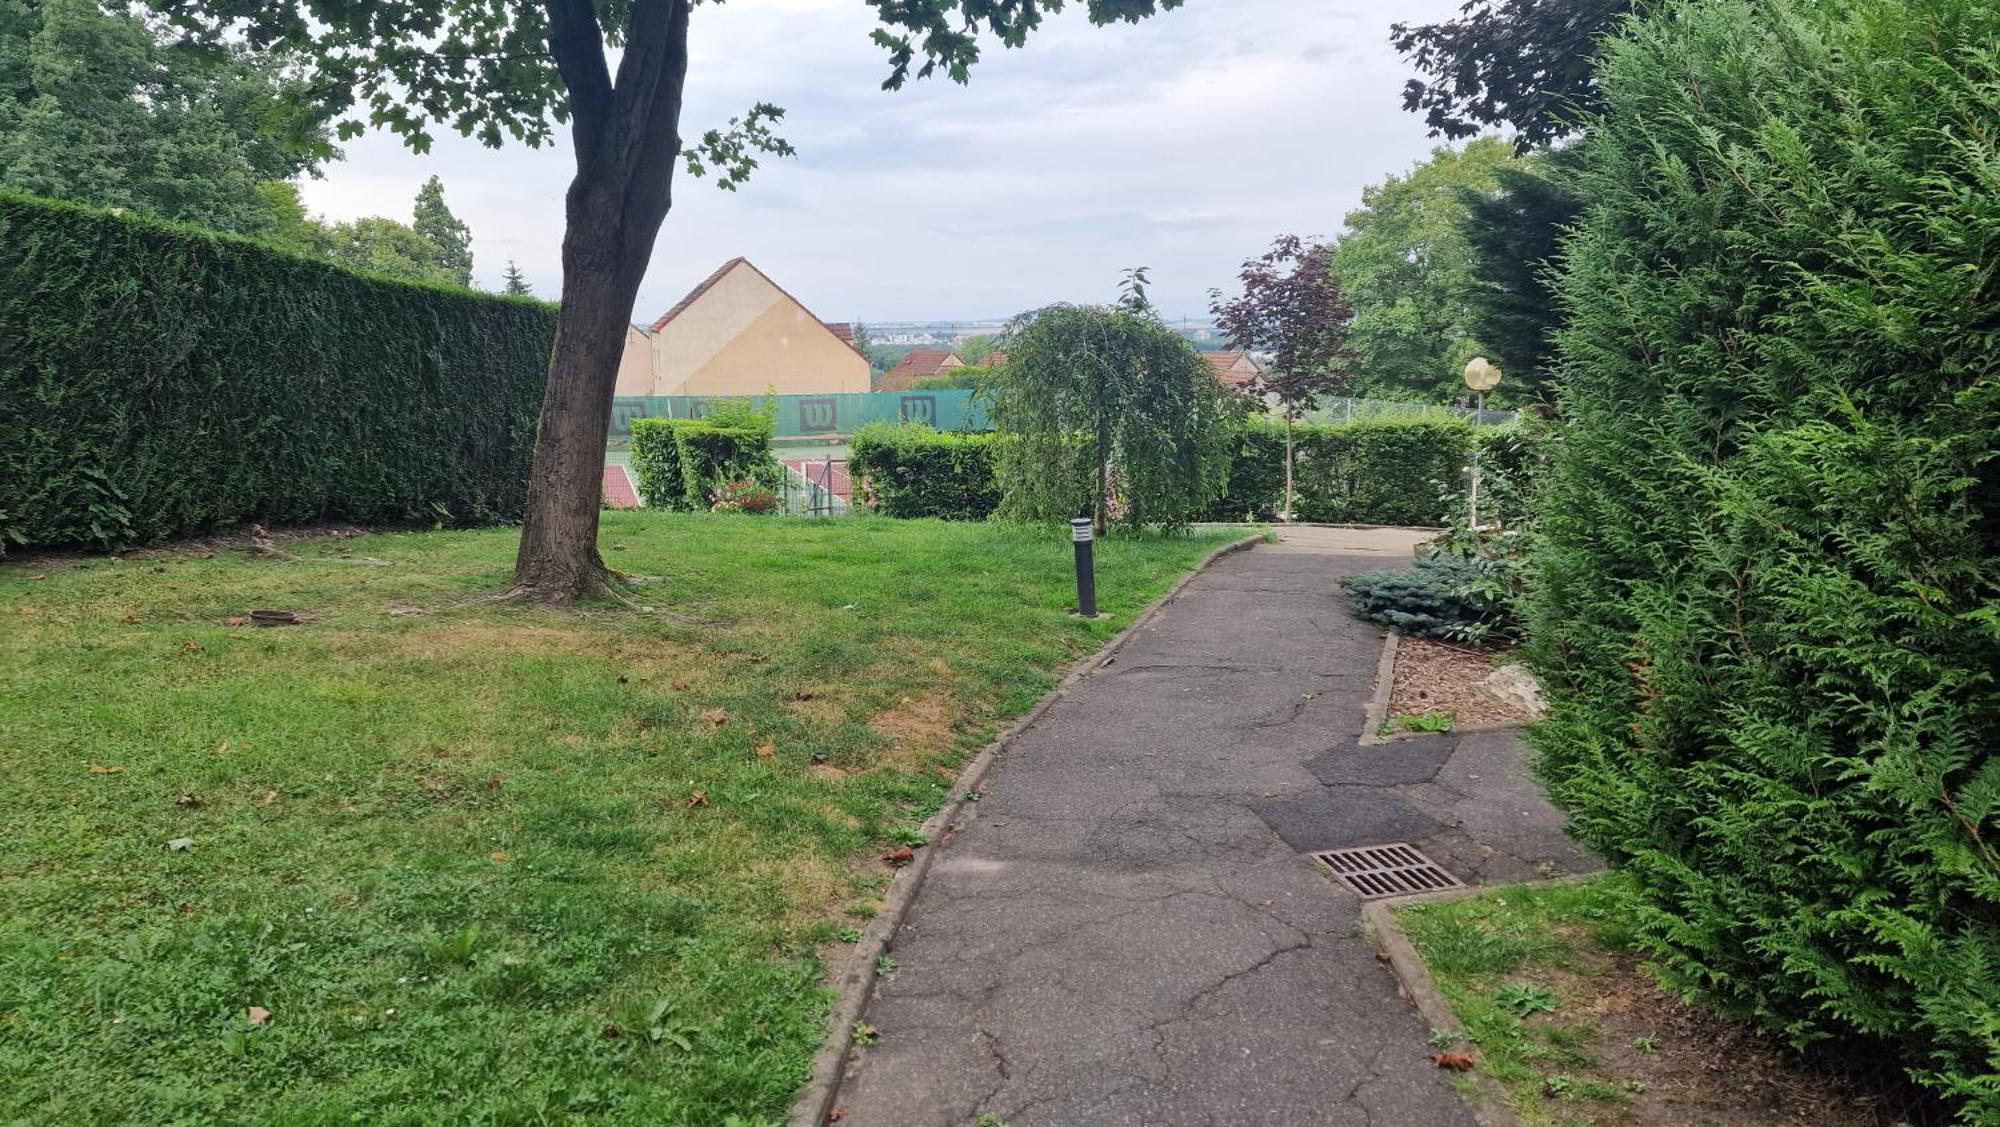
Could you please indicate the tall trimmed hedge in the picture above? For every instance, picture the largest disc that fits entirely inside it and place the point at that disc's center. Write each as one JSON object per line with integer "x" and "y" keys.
{"x": 1387, "y": 471}
{"x": 1768, "y": 602}
{"x": 157, "y": 380}
{"x": 680, "y": 463}
{"x": 911, "y": 470}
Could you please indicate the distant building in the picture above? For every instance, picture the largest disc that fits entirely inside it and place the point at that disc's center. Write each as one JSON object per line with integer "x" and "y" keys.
{"x": 920, "y": 364}
{"x": 739, "y": 333}
{"x": 1237, "y": 369}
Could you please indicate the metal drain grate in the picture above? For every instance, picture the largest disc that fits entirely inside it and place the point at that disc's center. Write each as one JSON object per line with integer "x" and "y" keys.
{"x": 1373, "y": 872}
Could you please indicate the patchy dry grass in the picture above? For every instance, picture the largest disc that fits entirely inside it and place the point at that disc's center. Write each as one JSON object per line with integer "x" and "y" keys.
{"x": 424, "y": 860}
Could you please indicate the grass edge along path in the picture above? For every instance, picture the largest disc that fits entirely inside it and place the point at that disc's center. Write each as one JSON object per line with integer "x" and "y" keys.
{"x": 418, "y": 861}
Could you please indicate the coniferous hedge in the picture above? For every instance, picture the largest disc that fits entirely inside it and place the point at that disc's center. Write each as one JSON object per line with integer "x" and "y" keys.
{"x": 681, "y": 463}
{"x": 1766, "y": 599}
{"x": 909, "y": 470}
{"x": 157, "y": 379}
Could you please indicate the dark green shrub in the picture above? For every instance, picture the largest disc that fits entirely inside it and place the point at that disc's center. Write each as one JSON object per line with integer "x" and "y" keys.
{"x": 683, "y": 463}
{"x": 1445, "y": 595}
{"x": 1767, "y": 591}
{"x": 910, "y": 470}
{"x": 156, "y": 380}
{"x": 1255, "y": 486}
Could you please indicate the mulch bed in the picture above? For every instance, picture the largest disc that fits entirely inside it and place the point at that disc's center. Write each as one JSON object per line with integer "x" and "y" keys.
{"x": 1433, "y": 677}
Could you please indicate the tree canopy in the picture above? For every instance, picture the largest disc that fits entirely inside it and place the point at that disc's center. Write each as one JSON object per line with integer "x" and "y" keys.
{"x": 1519, "y": 64}
{"x": 96, "y": 107}
{"x": 1405, "y": 263}
{"x": 1107, "y": 411}
{"x": 449, "y": 237}
{"x": 1514, "y": 231}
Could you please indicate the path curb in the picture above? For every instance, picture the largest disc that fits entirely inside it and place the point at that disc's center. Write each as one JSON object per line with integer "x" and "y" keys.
{"x": 815, "y": 1100}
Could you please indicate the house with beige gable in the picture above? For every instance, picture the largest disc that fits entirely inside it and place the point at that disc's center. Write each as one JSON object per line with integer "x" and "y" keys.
{"x": 740, "y": 333}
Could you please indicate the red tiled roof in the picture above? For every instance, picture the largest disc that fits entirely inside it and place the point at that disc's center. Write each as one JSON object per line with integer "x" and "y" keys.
{"x": 925, "y": 361}
{"x": 842, "y": 329}
{"x": 1222, "y": 362}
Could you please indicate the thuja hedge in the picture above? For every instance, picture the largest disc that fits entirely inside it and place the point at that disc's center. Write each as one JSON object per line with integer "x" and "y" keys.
{"x": 680, "y": 463}
{"x": 909, "y": 470}
{"x": 1765, "y": 606}
{"x": 1399, "y": 471}
{"x": 157, "y": 379}
{"x": 1390, "y": 471}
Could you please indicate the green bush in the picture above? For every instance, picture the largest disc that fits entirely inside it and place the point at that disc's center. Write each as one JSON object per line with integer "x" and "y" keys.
{"x": 685, "y": 463}
{"x": 1767, "y": 591}
{"x": 911, "y": 470}
{"x": 157, "y": 380}
{"x": 1386, "y": 471}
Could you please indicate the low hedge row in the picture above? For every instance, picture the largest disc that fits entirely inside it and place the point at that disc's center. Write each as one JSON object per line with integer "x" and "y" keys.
{"x": 681, "y": 463}
{"x": 1405, "y": 471}
{"x": 156, "y": 380}
{"x": 910, "y": 470}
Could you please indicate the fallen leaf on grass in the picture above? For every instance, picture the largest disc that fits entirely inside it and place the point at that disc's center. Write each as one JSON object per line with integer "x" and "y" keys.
{"x": 901, "y": 855}
{"x": 101, "y": 769}
{"x": 222, "y": 748}
{"x": 259, "y": 1015}
{"x": 180, "y": 844}
{"x": 25, "y": 609}
{"x": 190, "y": 801}
{"x": 493, "y": 783}
{"x": 715, "y": 716}
{"x": 32, "y": 578}
{"x": 766, "y": 750}
{"x": 270, "y": 796}
{"x": 498, "y": 856}
{"x": 235, "y": 620}
{"x": 1455, "y": 1061}
{"x": 698, "y": 798}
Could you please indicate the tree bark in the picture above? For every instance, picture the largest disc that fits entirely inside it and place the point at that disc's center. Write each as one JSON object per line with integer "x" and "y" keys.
{"x": 627, "y": 141}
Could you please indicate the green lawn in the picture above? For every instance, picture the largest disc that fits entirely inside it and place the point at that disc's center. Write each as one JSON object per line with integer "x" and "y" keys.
{"x": 1518, "y": 965}
{"x": 483, "y": 863}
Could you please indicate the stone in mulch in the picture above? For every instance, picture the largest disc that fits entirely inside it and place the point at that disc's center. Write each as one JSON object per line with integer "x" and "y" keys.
{"x": 1434, "y": 677}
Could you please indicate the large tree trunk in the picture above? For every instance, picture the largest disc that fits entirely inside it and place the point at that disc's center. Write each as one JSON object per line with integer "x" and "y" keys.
{"x": 558, "y": 559}
{"x": 627, "y": 140}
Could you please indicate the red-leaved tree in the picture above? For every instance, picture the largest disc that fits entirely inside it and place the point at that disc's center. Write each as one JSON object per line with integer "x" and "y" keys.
{"x": 1291, "y": 307}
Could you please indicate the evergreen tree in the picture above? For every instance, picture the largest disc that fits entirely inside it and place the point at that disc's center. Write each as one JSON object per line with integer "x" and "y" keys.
{"x": 452, "y": 239}
{"x": 1514, "y": 231}
{"x": 516, "y": 282}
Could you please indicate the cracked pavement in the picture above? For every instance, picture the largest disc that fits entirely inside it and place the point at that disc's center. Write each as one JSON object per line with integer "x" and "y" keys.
{"x": 1124, "y": 931}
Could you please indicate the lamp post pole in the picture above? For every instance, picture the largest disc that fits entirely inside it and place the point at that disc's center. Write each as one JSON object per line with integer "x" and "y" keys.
{"x": 1481, "y": 376}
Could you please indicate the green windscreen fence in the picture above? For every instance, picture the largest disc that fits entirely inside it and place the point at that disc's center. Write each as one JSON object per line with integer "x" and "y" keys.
{"x": 805, "y": 416}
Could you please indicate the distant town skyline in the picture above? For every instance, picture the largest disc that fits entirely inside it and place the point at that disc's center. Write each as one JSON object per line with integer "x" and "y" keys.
{"x": 1183, "y": 144}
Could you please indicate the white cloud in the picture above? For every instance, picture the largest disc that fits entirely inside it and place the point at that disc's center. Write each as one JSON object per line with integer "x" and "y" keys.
{"x": 1184, "y": 143}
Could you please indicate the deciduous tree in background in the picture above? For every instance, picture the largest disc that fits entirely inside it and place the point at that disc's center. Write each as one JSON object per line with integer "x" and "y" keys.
{"x": 1292, "y": 308}
{"x": 1405, "y": 263}
{"x": 611, "y": 71}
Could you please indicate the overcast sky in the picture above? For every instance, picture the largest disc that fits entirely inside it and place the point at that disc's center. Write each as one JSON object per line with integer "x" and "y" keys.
{"x": 1183, "y": 143}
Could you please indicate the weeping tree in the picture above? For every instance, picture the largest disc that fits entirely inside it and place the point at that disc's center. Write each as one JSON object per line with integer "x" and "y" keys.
{"x": 1291, "y": 306}
{"x": 611, "y": 72}
{"x": 1108, "y": 411}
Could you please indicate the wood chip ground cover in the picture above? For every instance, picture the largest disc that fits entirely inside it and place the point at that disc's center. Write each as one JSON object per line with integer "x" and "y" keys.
{"x": 1560, "y": 1011}
{"x": 1432, "y": 678}
{"x": 485, "y": 863}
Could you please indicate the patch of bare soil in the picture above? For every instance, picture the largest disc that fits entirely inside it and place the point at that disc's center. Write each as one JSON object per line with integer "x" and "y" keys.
{"x": 1687, "y": 1067}
{"x": 1438, "y": 677}
{"x": 919, "y": 727}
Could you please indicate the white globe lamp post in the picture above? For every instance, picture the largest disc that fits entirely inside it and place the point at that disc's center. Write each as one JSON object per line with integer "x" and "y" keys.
{"x": 1482, "y": 376}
